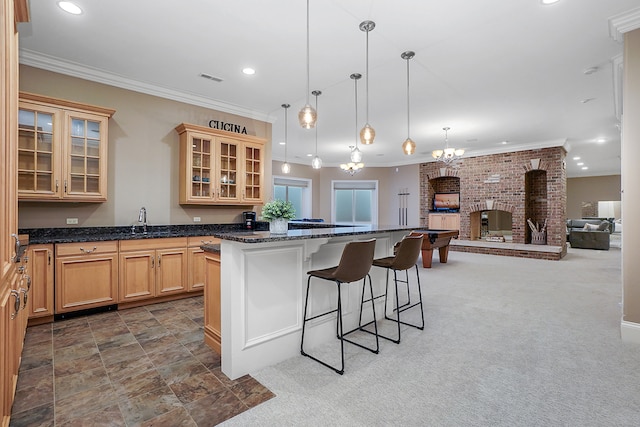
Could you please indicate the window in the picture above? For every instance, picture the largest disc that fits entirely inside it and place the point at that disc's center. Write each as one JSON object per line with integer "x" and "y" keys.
{"x": 355, "y": 202}
{"x": 295, "y": 190}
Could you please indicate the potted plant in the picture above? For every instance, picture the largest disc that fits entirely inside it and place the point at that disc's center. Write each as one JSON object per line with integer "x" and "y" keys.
{"x": 278, "y": 213}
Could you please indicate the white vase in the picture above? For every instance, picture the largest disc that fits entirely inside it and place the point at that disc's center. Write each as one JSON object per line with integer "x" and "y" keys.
{"x": 279, "y": 226}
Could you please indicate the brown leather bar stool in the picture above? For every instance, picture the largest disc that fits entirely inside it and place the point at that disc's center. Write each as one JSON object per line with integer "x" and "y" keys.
{"x": 354, "y": 265}
{"x": 406, "y": 255}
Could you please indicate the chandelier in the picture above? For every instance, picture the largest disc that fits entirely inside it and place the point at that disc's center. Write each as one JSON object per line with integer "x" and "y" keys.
{"x": 448, "y": 155}
{"x": 352, "y": 168}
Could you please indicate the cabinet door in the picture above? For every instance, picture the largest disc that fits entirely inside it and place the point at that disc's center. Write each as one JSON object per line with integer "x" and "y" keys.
{"x": 12, "y": 328}
{"x": 253, "y": 172}
{"x": 199, "y": 166}
{"x": 227, "y": 171}
{"x": 451, "y": 222}
{"x": 171, "y": 272}
{"x": 85, "y": 161}
{"x": 195, "y": 269}
{"x": 83, "y": 282}
{"x": 41, "y": 273}
{"x": 137, "y": 275}
{"x": 212, "y": 326}
{"x": 39, "y": 129}
{"x": 435, "y": 221}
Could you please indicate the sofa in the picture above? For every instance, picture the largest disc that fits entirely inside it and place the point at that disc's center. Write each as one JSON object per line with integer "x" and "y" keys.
{"x": 589, "y": 233}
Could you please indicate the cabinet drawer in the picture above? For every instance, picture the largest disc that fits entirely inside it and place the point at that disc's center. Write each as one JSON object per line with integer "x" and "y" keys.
{"x": 85, "y": 248}
{"x": 147, "y": 244}
{"x": 197, "y": 241}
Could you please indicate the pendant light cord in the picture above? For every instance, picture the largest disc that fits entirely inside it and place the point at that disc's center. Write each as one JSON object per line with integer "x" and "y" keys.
{"x": 408, "y": 114}
{"x": 357, "y": 130}
{"x": 308, "y": 72}
{"x": 367, "y": 71}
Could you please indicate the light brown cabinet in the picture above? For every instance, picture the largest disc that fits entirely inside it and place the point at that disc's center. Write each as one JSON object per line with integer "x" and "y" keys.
{"x": 152, "y": 268}
{"x": 212, "y": 314}
{"x": 444, "y": 221}
{"x": 86, "y": 275}
{"x": 62, "y": 150}
{"x": 196, "y": 261}
{"x": 220, "y": 167}
{"x": 40, "y": 268}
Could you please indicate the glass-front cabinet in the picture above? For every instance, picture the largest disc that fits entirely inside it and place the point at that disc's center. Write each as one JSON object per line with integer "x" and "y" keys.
{"x": 62, "y": 150}
{"x": 219, "y": 167}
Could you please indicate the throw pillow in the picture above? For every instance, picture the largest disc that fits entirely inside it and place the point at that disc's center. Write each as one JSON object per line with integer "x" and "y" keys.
{"x": 590, "y": 227}
{"x": 604, "y": 226}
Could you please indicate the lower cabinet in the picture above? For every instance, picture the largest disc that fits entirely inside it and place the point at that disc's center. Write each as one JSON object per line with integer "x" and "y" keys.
{"x": 196, "y": 262}
{"x": 86, "y": 275}
{"x": 444, "y": 221}
{"x": 152, "y": 268}
{"x": 212, "y": 328}
{"x": 40, "y": 301}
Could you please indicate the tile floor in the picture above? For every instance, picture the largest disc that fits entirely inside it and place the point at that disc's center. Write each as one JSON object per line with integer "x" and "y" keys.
{"x": 145, "y": 366}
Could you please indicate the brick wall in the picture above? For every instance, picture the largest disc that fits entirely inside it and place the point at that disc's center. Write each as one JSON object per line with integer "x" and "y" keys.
{"x": 529, "y": 183}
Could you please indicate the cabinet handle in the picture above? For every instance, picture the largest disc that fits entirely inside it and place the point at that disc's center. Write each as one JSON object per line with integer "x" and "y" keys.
{"x": 28, "y": 278}
{"x": 48, "y": 257}
{"x": 65, "y": 186}
{"x": 208, "y": 242}
{"x": 153, "y": 262}
{"x": 159, "y": 261}
{"x": 24, "y": 298}
{"x": 88, "y": 251}
{"x": 16, "y": 305}
{"x": 57, "y": 186}
{"x": 17, "y": 247}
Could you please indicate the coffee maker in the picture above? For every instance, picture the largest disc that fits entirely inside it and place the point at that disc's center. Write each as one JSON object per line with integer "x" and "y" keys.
{"x": 249, "y": 219}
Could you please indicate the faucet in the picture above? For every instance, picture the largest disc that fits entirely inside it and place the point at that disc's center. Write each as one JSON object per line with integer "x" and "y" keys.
{"x": 142, "y": 217}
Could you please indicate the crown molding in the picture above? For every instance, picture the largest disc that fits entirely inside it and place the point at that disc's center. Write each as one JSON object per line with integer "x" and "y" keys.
{"x": 623, "y": 23}
{"x": 49, "y": 63}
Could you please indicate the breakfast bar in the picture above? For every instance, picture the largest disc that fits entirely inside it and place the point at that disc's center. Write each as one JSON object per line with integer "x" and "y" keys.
{"x": 261, "y": 284}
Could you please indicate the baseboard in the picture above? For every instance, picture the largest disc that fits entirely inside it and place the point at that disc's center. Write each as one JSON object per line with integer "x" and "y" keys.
{"x": 630, "y": 332}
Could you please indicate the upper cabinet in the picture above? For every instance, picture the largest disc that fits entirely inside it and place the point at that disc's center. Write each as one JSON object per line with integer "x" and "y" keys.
{"x": 62, "y": 150}
{"x": 219, "y": 167}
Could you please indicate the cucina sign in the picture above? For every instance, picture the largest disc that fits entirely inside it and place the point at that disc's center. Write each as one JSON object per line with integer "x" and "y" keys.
{"x": 229, "y": 127}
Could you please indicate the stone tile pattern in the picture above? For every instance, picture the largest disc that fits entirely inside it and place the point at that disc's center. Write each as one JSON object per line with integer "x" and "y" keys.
{"x": 145, "y": 366}
{"x": 473, "y": 178}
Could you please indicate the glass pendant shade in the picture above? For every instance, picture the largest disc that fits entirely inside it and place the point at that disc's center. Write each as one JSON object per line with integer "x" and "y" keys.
{"x": 367, "y": 135}
{"x": 356, "y": 155}
{"x": 437, "y": 153}
{"x": 286, "y": 167}
{"x": 409, "y": 147}
{"x": 308, "y": 117}
{"x": 316, "y": 163}
{"x": 459, "y": 152}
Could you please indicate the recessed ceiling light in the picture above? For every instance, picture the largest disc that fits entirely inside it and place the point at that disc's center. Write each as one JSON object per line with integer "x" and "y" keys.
{"x": 549, "y": 1}
{"x": 580, "y": 164}
{"x": 283, "y": 143}
{"x": 504, "y": 142}
{"x": 584, "y": 168}
{"x": 70, "y": 7}
{"x": 576, "y": 158}
{"x": 309, "y": 155}
{"x": 249, "y": 71}
{"x": 601, "y": 140}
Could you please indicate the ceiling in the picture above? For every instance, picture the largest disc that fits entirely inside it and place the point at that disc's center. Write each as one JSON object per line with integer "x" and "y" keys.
{"x": 504, "y": 75}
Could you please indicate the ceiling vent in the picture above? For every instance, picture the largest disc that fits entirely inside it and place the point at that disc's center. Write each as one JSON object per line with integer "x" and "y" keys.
{"x": 210, "y": 77}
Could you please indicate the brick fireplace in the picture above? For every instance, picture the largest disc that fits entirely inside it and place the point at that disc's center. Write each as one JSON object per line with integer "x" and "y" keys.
{"x": 528, "y": 184}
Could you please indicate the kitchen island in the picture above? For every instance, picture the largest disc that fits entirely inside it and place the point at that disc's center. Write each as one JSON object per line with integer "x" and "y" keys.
{"x": 262, "y": 281}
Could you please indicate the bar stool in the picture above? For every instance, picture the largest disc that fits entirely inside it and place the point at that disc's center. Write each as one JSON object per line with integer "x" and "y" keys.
{"x": 354, "y": 265}
{"x": 406, "y": 255}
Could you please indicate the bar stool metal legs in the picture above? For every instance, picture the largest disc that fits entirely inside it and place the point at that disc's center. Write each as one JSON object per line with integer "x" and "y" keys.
{"x": 340, "y": 334}
{"x": 355, "y": 263}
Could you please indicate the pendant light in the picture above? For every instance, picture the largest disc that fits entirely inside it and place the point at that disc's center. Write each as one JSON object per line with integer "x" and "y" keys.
{"x": 286, "y": 167}
{"x": 408, "y": 146}
{"x": 355, "y": 165}
{"x": 356, "y": 154}
{"x": 307, "y": 116}
{"x": 316, "y": 163}
{"x": 367, "y": 134}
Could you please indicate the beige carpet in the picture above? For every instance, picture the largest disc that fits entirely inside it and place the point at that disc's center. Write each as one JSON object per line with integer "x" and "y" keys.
{"x": 508, "y": 342}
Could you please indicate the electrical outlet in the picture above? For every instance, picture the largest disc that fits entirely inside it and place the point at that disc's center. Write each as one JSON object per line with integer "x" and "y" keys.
{"x": 72, "y": 221}
{"x": 196, "y": 219}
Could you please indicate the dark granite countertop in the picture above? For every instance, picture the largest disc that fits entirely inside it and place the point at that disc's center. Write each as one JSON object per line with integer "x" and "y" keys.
{"x": 306, "y": 233}
{"x": 213, "y": 248}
